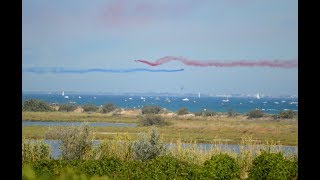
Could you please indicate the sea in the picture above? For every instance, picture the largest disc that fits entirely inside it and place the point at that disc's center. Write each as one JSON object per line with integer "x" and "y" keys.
{"x": 269, "y": 105}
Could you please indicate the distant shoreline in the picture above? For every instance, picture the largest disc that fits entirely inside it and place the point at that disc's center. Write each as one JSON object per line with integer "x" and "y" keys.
{"x": 160, "y": 94}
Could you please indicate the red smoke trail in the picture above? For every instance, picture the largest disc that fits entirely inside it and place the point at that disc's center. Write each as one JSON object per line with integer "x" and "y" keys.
{"x": 241, "y": 63}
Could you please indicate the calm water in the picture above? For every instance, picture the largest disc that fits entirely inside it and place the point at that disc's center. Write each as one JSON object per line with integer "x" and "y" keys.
{"x": 173, "y": 103}
{"x": 55, "y": 151}
{"x": 45, "y": 123}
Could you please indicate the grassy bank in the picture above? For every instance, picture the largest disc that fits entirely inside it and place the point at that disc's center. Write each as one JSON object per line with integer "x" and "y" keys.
{"x": 77, "y": 117}
{"x": 200, "y": 129}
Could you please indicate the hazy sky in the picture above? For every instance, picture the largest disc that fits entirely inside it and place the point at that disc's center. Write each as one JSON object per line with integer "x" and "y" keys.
{"x": 82, "y": 34}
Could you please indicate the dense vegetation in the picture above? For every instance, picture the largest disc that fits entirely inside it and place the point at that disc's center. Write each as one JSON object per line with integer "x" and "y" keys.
{"x": 273, "y": 166}
{"x": 109, "y": 107}
{"x": 255, "y": 114}
{"x": 151, "y": 110}
{"x": 67, "y": 107}
{"x": 35, "y": 105}
{"x": 182, "y": 111}
{"x": 151, "y": 120}
{"x": 90, "y": 108}
{"x": 220, "y": 166}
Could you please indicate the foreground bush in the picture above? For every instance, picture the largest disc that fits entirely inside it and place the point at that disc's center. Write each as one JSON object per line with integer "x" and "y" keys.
{"x": 109, "y": 107}
{"x": 273, "y": 166}
{"x": 34, "y": 150}
{"x": 151, "y": 110}
{"x": 90, "y": 108}
{"x": 165, "y": 167}
{"x": 67, "y": 107}
{"x": 76, "y": 141}
{"x": 182, "y": 111}
{"x": 148, "y": 146}
{"x": 255, "y": 114}
{"x": 222, "y": 166}
{"x": 151, "y": 120}
{"x": 35, "y": 105}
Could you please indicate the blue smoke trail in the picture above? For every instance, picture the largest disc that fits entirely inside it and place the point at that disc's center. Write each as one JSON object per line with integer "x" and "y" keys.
{"x": 82, "y": 71}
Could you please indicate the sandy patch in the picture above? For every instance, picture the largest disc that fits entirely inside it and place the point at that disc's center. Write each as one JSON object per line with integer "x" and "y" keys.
{"x": 78, "y": 110}
{"x": 131, "y": 112}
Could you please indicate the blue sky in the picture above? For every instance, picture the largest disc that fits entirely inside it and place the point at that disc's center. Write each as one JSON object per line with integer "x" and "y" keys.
{"x": 112, "y": 34}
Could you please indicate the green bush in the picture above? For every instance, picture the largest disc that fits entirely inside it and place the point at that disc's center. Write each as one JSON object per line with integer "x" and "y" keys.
{"x": 255, "y": 114}
{"x": 67, "y": 107}
{"x": 76, "y": 141}
{"x": 151, "y": 110}
{"x": 168, "y": 167}
{"x": 151, "y": 120}
{"x": 35, "y": 105}
{"x": 48, "y": 167}
{"x": 289, "y": 114}
{"x": 222, "y": 166}
{"x": 148, "y": 146}
{"x": 182, "y": 111}
{"x": 109, "y": 107}
{"x": 273, "y": 166}
{"x": 34, "y": 150}
{"x": 105, "y": 166}
{"x": 90, "y": 108}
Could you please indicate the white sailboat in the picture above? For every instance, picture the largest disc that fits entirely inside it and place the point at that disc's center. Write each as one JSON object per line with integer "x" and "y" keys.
{"x": 258, "y": 96}
{"x": 225, "y": 100}
{"x": 199, "y": 95}
{"x": 62, "y": 93}
{"x": 185, "y": 99}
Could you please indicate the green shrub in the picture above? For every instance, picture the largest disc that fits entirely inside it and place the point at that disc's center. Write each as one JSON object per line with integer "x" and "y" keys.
{"x": 255, "y": 114}
{"x": 109, "y": 107}
{"x": 48, "y": 167}
{"x": 76, "y": 141}
{"x": 289, "y": 114}
{"x": 168, "y": 167}
{"x": 67, "y": 107}
{"x": 151, "y": 120}
{"x": 151, "y": 110}
{"x": 105, "y": 166}
{"x": 222, "y": 166}
{"x": 273, "y": 166}
{"x": 90, "y": 108}
{"x": 35, "y": 105}
{"x": 182, "y": 111}
{"x": 148, "y": 146}
{"x": 34, "y": 150}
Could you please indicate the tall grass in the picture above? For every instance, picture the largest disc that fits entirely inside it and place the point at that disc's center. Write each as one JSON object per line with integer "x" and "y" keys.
{"x": 120, "y": 148}
{"x": 33, "y": 150}
{"x": 76, "y": 141}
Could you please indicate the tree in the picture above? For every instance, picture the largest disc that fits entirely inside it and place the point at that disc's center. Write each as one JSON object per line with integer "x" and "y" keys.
{"x": 109, "y": 107}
